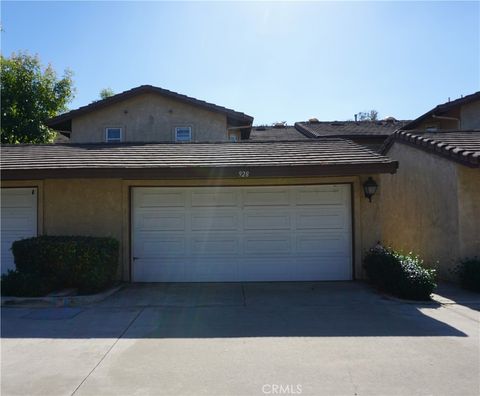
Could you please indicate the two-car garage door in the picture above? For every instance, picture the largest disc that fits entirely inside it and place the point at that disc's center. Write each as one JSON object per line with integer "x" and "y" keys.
{"x": 203, "y": 234}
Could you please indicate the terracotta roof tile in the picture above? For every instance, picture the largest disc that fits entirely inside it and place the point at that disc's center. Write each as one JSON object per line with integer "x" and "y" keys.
{"x": 459, "y": 146}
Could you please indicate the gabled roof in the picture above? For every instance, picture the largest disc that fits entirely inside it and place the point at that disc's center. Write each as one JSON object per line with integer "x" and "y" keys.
{"x": 63, "y": 121}
{"x": 442, "y": 109}
{"x": 349, "y": 129}
{"x": 458, "y": 146}
{"x": 192, "y": 160}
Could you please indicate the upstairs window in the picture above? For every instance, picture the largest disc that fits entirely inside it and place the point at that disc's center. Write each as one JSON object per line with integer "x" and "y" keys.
{"x": 183, "y": 134}
{"x": 113, "y": 135}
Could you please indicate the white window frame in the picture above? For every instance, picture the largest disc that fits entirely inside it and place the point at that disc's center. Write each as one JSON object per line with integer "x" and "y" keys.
{"x": 107, "y": 129}
{"x": 183, "y": 128}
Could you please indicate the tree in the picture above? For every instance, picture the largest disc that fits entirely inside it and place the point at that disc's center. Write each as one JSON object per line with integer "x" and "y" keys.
{"x": 106, "y": 93}
{"x": 31, "y": 94}
{"x": 371, "y": 115}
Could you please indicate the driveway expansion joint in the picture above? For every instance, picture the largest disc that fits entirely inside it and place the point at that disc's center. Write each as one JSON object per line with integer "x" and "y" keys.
{"x": 108, "y": 351}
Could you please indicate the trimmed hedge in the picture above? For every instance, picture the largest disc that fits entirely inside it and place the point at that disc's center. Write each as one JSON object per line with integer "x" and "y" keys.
{"x": 48, "y": 263}
{"x": 401, "y": 275}
{"x": 469, "y": 273}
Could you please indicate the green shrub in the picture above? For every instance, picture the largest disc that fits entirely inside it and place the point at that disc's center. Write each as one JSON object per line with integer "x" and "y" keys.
{"x": 398, "y": 274}
{"x": 469, "y": 273}
{"x": 88, "y": 264}
{"x": 15, "y": 283}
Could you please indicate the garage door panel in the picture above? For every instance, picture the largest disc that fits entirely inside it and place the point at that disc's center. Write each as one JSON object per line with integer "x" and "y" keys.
{"x": 326, "y": 195}
{"x": 320, "y": 244}
{"x": 157, "y": 244}
{"x": 264, "y": 269}
{"x": 156, "y": 220}
{"x": 151, "y": 197}
{"x": 321, "y": 218}
{"x": 267, "y": 244}
{"x": 215, "y": 220}
{"x": 17, "y": 219}
{"x": 275, "y": 219}
{"x": 214, "y": 244}
{"x": 266, "y": 197}
{"x": 214, "y": 197}
{"x": 154, "y": 270}
{"x": 243, "y": 234}
{"x": 213, "y": 269}
{"x": 323, "y": 267}
{"x": 17, "y": 199}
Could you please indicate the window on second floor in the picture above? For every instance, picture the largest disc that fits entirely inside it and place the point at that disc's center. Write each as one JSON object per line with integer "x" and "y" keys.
{"x": 113, "y": 135}
{"x": 183, "y": 134}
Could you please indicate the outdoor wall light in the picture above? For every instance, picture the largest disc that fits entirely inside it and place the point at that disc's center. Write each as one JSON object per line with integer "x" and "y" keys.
{"x": 370, "y": 188}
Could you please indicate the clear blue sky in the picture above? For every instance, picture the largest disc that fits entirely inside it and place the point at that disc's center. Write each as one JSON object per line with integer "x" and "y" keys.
{"x": 275, "y": 61}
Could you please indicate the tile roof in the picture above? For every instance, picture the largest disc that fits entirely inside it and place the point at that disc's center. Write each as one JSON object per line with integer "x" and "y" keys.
{"x": 322, "y": 156}
{"x": 459, "y": 146}
{"x": 59, "y": 122}
{"x": 268, "y": 133}
{"x": 443, "y": 108}
{"x": 349, "y": 129}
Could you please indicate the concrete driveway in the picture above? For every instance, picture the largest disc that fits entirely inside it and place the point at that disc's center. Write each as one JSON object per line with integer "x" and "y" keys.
{"x": 245, "y": 339}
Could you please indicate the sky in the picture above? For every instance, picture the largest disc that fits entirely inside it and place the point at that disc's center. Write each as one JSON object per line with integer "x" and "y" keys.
{"x": 276, "y": 61}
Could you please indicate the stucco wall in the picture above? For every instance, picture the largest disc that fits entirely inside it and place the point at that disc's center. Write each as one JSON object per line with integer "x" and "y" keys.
{"x": 101, "y": 207}
{"x": 419, "y": 207}
{"x": 469, "y": 211}
{"x": 149, "y": 118}
{"x": 470, "y": 115}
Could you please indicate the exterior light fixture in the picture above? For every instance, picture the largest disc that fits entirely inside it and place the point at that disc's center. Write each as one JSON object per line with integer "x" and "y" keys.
{"x": 370, "y": 188}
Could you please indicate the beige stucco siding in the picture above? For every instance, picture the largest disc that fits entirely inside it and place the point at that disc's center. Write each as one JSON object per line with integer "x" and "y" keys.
{"x": 149, "y": 118}
{"x": 470, "y": 115}
{"x": 431, "y": 207}
{"x": 469, "y": 211}
{"x": 101, "y": 207}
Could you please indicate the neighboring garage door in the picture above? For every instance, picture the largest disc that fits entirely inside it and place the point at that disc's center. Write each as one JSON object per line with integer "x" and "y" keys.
{"x": 214, "y": 234}
{"x": 18, "y": 220}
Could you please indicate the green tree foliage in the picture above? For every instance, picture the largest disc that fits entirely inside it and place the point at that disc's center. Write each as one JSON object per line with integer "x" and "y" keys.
{"x": 30, "y": 95}
{"x": 106, "y": 93}
{"x": 371, "y": 115}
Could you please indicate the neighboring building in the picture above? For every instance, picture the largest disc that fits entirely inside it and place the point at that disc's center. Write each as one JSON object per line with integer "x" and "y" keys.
{"x": 460, "y": 114}
{"x": 150, "y": 114}
{"x": 222, "y": 211}
{"x": 278, "y": 133}
{"x": 371, "y": 134}
{"x": 431, "y": 206}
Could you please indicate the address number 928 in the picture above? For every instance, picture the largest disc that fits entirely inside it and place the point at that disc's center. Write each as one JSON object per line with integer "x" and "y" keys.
{"x": 244, "y": 173}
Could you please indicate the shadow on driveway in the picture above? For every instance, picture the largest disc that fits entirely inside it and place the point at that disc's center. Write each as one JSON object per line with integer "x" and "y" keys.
{"x": 303, "y": 309}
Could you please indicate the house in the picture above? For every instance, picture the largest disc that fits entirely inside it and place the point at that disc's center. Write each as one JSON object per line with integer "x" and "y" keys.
{"x": 150, "y": 114}
{"x": 459, "y": 114}
{"x": 190, "y": 198}
{"x": 432, "y": 204}
{"x": 371, "y": 134}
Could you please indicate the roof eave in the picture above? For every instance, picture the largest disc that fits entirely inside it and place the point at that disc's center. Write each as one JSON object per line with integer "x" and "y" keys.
{"x": 202, "y": 172}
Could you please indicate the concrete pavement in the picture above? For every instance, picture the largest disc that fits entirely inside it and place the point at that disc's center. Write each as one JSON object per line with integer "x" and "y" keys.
{"x": 324, "y": 338}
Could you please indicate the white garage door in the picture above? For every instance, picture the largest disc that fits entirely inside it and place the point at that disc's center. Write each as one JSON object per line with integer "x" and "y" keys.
{"x": 18, "y": 220}
{"x": 211, "y": 234}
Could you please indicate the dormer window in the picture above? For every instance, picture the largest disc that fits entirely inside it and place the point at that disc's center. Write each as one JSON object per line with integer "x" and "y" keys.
{"x": 113, "y": 135}
{"x": 183, "y": 134}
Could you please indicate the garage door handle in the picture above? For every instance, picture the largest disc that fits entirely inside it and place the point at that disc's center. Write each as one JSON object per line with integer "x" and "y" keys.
{"x": 135, "y": 258}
